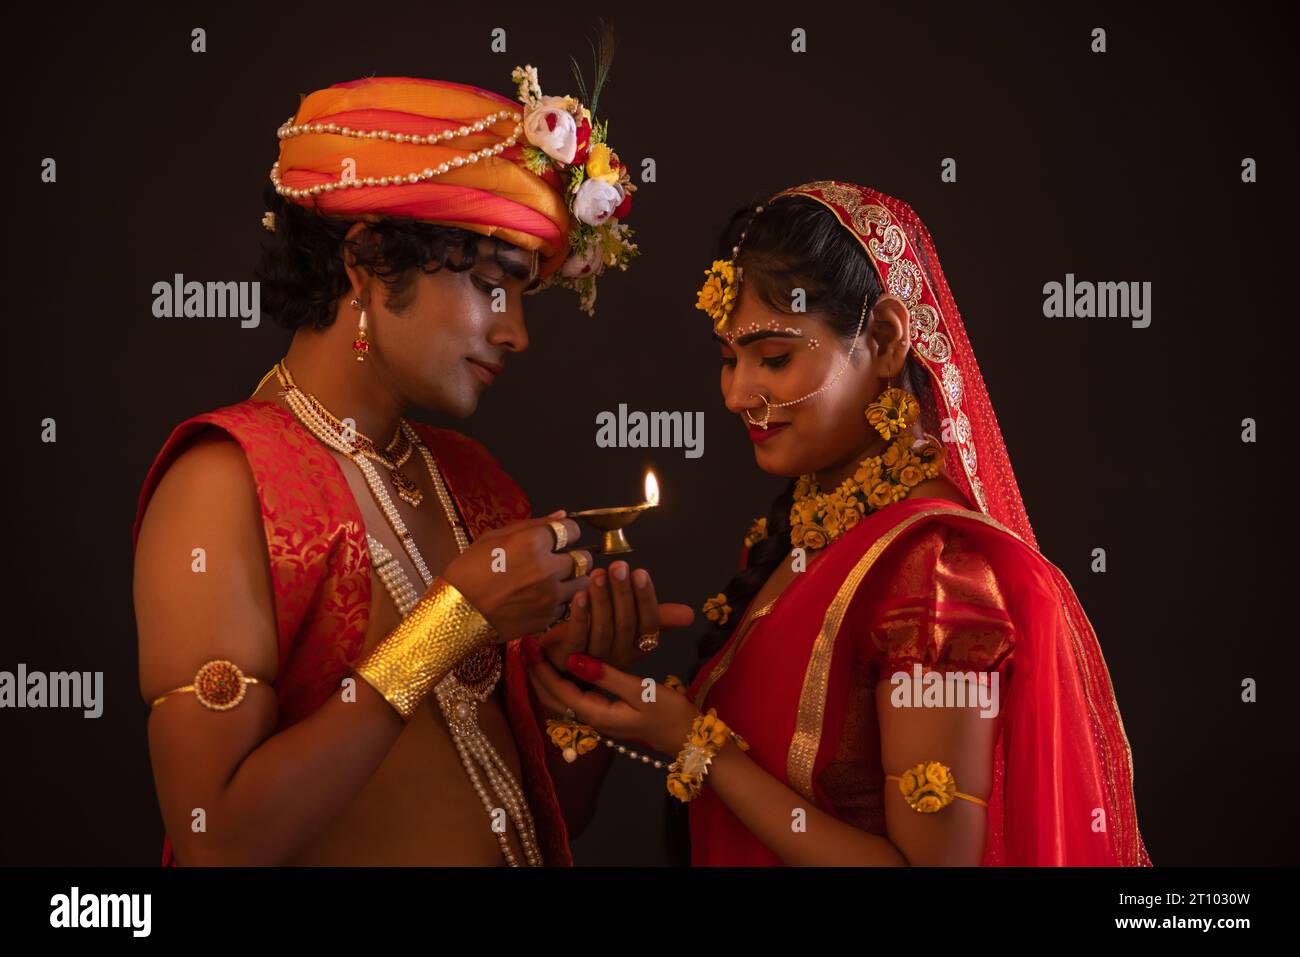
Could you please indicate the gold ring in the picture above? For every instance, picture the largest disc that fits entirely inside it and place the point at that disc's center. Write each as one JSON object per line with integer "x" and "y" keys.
{"x": 581, "y": 562}
{"x": 649, "y": 641}
{"x": 561, "y": 535}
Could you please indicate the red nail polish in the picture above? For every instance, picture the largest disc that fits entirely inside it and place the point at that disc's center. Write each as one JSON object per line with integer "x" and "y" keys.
{"x": 532, "y": 649}
{"x": 585, "y": 667}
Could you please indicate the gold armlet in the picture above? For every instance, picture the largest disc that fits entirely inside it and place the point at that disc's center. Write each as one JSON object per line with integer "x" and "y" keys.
{"x": 440, "y": 630}
{"x": 929, "y": 787}
{"x": 708, "y": 734}
{"x": 219, "y": 685}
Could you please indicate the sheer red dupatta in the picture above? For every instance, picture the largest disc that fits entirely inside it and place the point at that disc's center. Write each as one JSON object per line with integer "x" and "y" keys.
{"x": 1063, "y": 777}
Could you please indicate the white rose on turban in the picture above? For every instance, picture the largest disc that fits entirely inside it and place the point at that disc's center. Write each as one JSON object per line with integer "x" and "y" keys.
{"x": 582, "y": 263}
{"x": 550, "y": 127}
{"x": 596, "y": 201}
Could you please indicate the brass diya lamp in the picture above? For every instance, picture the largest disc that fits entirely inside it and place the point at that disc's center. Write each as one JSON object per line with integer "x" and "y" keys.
{"x": 612, "y": 521}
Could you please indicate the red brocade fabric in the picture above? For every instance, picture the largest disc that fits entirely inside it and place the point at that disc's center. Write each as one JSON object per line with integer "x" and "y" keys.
{"x": 320, "y": 567}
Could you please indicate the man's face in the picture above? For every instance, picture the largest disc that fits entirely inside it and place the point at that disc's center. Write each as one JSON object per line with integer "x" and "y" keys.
{"x": 441, "y": 341}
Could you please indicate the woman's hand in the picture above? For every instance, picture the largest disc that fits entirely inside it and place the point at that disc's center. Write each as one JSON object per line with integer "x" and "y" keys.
{"x": 662, "y": 722}
{"x": 608, "y": 619}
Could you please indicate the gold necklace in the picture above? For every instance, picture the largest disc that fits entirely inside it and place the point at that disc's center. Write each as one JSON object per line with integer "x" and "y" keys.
{"x": 393, "y": 457}
{"x": 818, "y": 518}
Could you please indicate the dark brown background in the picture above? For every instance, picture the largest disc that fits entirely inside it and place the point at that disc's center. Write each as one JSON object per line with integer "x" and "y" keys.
{"x": 1123, "y": 166}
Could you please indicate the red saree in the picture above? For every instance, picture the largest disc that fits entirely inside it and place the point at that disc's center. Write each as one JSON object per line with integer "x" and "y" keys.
{"x": 927, "y": 581}
{"x": 320, "y": 567}
{"x": 803, "y": 681}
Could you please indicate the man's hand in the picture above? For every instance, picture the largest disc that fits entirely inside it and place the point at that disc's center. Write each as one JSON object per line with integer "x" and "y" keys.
{"x": 526, "y": 588}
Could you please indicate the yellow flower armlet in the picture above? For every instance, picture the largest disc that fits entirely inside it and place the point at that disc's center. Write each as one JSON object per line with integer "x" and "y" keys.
{"x": 929, "y": 787}
{"x": 708, "y": 734}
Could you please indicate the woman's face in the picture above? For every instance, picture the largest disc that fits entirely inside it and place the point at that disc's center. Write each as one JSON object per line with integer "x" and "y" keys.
{"x": 786, "y": 357}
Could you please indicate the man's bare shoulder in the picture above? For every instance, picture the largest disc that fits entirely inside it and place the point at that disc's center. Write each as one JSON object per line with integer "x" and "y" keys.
{"x": 202, "y": 582}
{"x": 210, "y": 475}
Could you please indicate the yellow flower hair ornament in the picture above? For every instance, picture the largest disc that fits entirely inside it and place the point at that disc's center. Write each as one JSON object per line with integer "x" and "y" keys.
{"x": 716, "y": 608}
{"x": 717, "y": 296}
{"x": 721, "y": 286}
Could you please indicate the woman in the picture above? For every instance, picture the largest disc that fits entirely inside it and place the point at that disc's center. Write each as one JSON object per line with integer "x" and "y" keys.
{"x": 896, "y": 676}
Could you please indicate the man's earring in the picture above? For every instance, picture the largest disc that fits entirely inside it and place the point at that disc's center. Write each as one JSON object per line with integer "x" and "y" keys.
{"x": 360, "y": 345}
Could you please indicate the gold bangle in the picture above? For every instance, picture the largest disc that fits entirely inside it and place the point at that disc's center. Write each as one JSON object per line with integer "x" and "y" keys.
{"x": 440, "y": 630}
{"x": 929, "y": 787}
{"x": 218, "y": 685}
{"x": 708, "y": 734}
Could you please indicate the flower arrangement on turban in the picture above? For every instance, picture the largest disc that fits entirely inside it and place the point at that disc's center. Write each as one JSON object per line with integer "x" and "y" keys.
{"x": 568, "y": 147}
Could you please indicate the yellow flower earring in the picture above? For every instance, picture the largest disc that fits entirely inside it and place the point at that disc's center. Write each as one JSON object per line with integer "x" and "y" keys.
{"x": 892, "y": 412}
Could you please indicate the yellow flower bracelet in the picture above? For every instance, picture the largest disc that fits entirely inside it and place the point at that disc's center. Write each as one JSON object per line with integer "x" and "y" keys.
{"x": 930, "y": 787}
{"x": 708, "y": 734}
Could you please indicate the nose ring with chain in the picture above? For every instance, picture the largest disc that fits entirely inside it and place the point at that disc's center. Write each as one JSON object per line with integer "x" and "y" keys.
{"x": 768, "y": 405}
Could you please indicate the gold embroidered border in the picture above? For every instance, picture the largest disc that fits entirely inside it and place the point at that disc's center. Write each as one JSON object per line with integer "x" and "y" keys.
{"x": 941, "y": 617}
{"x": 812, "y": 699}
{"x": 853, "y": 202}
{"x": 806, "y": 741}
{"x": 1130, "y": 843}
{"x": 725, "y": 661}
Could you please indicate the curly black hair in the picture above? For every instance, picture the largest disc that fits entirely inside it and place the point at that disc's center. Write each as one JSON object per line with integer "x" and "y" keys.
{"x": 301, "y": 267}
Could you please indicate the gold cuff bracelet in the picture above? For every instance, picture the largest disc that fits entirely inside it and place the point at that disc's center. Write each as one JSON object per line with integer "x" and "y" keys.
{"x": 440, "y": 630}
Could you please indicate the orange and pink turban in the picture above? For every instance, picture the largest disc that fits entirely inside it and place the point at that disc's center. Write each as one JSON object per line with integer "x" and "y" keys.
{"x": 458, "y": 155}
{"x": 376, "y": 133}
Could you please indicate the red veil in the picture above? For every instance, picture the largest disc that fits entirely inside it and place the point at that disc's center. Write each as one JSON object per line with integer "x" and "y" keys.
{"x": 1063, "y": 757}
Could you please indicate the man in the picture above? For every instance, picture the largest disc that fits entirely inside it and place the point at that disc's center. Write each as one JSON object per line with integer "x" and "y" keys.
{"x": 307, "y": 708}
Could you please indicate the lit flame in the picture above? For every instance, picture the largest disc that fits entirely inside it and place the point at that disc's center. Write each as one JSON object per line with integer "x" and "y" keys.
{"x": 651, "y": 488}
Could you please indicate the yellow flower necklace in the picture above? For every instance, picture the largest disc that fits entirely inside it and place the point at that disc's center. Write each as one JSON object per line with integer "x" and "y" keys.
{"x": 818, "y": 518}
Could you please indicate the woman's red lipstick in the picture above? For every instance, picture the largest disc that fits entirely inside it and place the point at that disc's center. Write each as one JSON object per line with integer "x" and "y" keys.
{"x": 762, "y": 435}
